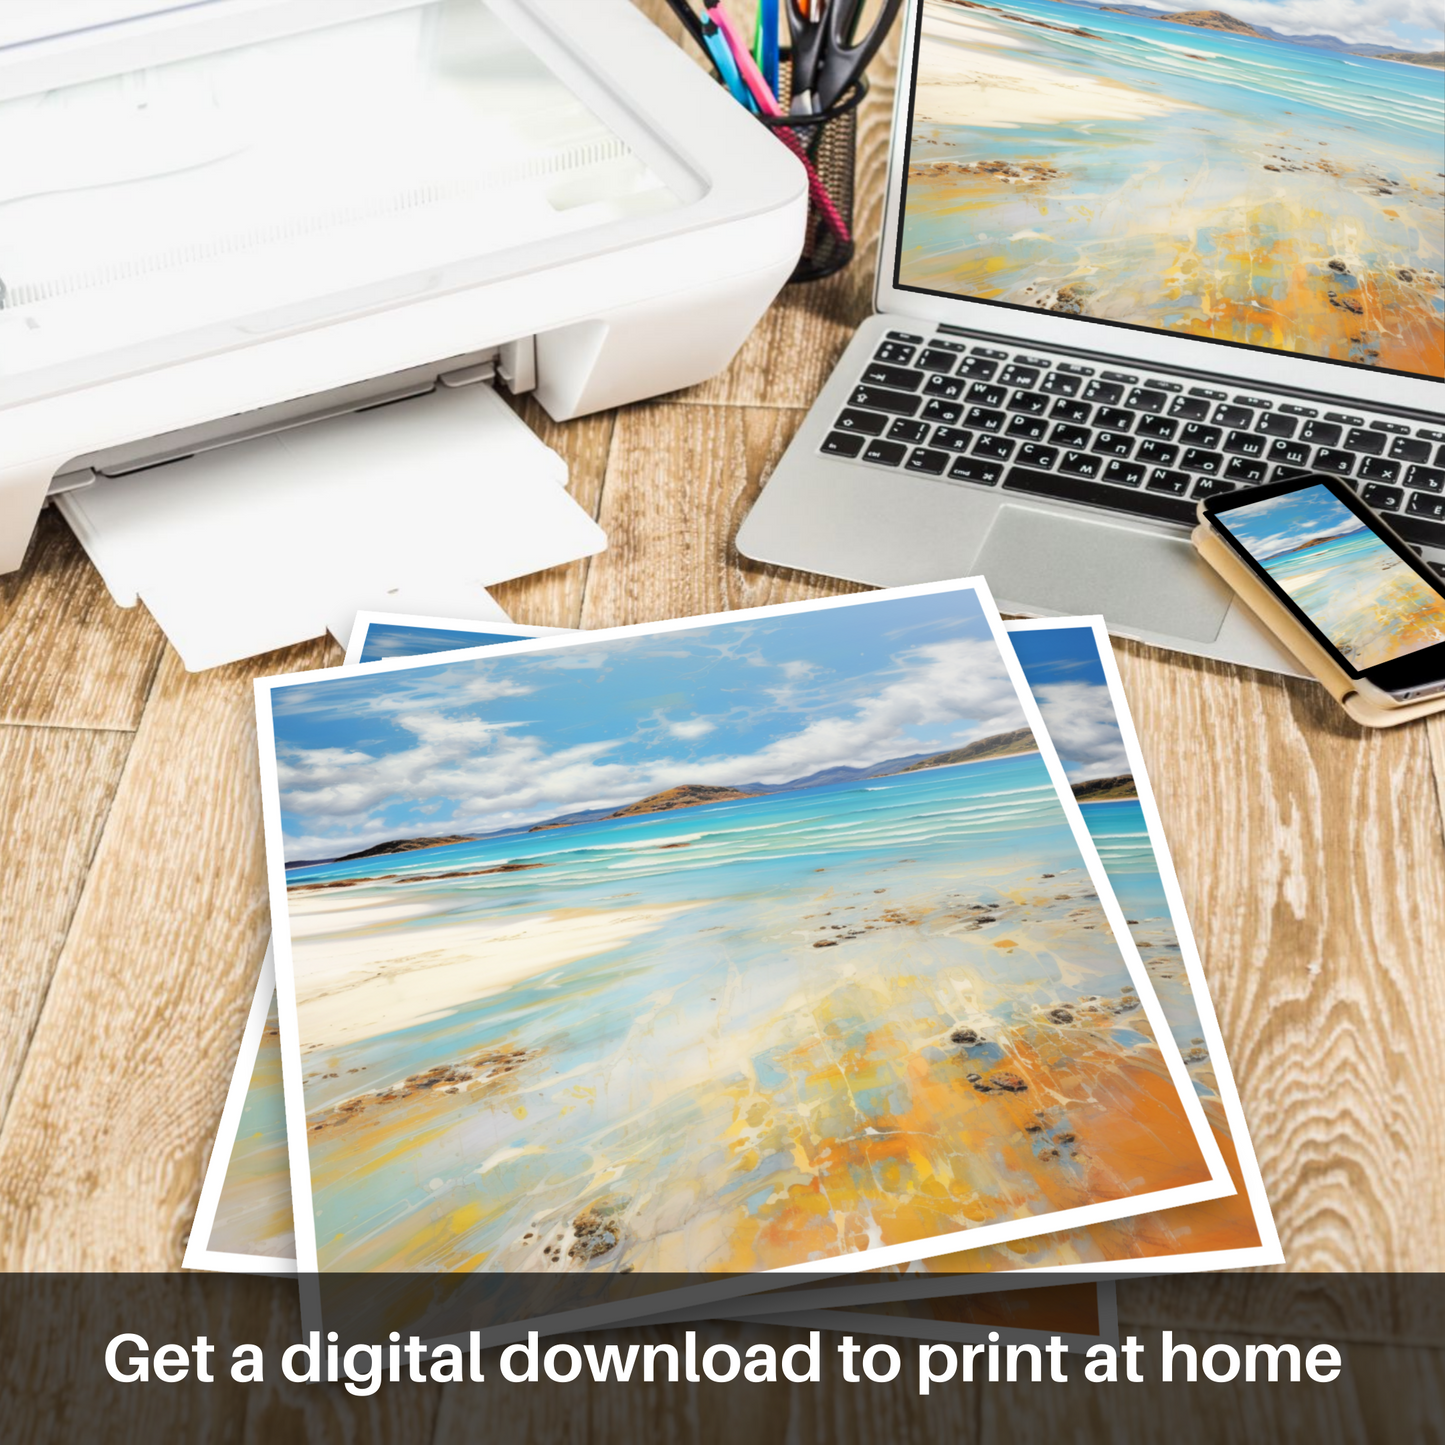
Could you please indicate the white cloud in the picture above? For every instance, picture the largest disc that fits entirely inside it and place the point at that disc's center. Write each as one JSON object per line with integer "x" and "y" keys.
{"x": 1361, "y": 21}
{"x": 698, "y": 727}
{"x": 1084, "y": 727}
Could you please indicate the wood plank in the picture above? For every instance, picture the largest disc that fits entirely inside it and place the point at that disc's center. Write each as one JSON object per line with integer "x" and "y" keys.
{"x": 69, "y": 657}
{"x": 554, "y": 598}
{"x": 115, "y": 1110}
{"x": 56, "y": 786}
{"x": 1311, "y": 858}
{"x": 1344, "y": 1412}
{"x": 679, "y": 482}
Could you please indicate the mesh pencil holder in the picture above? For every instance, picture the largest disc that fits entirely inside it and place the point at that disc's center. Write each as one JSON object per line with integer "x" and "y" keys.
{"x": 827, "y": 144}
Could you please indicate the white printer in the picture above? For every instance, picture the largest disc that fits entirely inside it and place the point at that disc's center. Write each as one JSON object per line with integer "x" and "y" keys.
{"x": 224, "y": 221}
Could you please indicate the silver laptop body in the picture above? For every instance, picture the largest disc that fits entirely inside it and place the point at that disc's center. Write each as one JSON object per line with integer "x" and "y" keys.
{"x": 942, "y": 446}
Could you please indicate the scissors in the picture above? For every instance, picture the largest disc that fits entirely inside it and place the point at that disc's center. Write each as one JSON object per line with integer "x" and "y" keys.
{"x": 828, "y": 56}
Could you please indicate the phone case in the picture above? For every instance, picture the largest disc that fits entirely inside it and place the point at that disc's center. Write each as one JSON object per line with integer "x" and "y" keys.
{"x": 1341, "y": 686}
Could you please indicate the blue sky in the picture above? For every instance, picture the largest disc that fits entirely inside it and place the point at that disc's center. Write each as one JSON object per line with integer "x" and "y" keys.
{"x": 504, "y": 741}
{"x": 388, "y": 640}
{"x": 1278, "y": 524}
{"x": 1066, "y": 677}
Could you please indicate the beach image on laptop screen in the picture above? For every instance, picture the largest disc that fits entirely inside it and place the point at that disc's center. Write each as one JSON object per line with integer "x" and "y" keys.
{"x": 1354, "y": 588}
{"x": 1184, "y": 171}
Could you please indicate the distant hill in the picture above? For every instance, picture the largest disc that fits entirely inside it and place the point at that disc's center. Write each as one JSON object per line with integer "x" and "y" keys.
{"x": 1223, "y": 21}
{"x": 1000, "y": 745}
{"x": 1213, "y": 20}
{"x": 689, "y": 795}
{"x": 1105, "y": 790}
{"x": 405, "y": 845}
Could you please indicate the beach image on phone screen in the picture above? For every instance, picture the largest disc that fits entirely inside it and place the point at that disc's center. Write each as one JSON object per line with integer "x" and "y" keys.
{"x": 1370, "y": 603}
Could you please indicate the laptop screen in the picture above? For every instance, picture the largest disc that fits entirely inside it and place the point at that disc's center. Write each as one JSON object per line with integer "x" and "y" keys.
{"x": 1181, "y": 171}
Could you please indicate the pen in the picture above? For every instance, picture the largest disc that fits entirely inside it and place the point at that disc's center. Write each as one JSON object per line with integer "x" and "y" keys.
{"x": 765, "y": 42}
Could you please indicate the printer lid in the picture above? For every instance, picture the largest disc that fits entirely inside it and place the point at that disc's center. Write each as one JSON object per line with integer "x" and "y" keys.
{"x": 182, "y": 178}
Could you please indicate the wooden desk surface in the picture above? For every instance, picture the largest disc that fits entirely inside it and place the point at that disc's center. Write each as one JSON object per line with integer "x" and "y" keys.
{"x": 133, "y": 906}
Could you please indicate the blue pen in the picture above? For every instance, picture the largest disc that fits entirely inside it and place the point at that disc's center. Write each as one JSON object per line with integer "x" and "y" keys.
{"x": 768, "y": 59}
{"x": 727, "y": 67}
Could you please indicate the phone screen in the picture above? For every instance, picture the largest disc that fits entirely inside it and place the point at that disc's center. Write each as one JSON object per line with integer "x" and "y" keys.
{"x": 1370, "y": 602}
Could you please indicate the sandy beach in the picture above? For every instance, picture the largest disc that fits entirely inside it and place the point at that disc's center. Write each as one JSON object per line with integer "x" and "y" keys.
{"x": 963, "y": 87}
{"x": 354, "y": 983}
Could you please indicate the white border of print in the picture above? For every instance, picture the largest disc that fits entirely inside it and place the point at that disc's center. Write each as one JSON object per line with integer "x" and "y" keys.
{"x": 361, "y": 630}
{"x": 199, "y": 1254}
{"x": 1217, "y": 1185}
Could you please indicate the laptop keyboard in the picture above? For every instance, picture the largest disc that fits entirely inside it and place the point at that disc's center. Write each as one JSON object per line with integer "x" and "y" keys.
{"x": 1147, "y": 445}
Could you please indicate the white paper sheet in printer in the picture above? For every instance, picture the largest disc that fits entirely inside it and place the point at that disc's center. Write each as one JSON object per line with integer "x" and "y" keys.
{"x": 223, "y": 220}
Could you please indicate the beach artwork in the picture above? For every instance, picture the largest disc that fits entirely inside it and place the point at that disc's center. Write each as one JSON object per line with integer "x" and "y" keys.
{"x": 1182, "y": 170}
{"x": 1370, "y": 603}
{"x": 733, "y": 944}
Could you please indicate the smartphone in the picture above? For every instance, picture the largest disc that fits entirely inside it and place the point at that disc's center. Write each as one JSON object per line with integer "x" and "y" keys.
{"x": 1336, "y": 567}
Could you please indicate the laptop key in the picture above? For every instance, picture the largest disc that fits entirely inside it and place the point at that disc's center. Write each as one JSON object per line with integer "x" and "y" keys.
{"x": 923, "y": 459}
{"x": 1289, "y": 453}
{"x": 877, "y": 398}
{"x": 1124, "y": 474}
{"x": 1199, "y": 460}
{"x": 1156, "y": 454}
{"x": 1425, "y": 479}
{"x": 867, "y": 422}
{"x": 1144, "y": 398}
{"x": 877, "y": 374}
{"x": 1035, "y": 403}
{"x": 1235, "y": 416}
{"x": 1322, "y": 433}
{"x": 945, "y": 411}
{"x": 1107, "y": 392}
{"x": 1408, "y": 449}
{"x": 977, "y": 368}
{"x": 971, "y": 469}
{"x": 1331, "y": 459}
{"x": 1189, "y": 408}
{"x": 1060, "y": 383}
{"x": 1078, "y": 411}
{"x": 886, "y": 454}
{"x": 1381, "y": 498}
{"x": 1212, "y": 487}
{"x": 933, "y": 359}
{"x": 982, "y": 419}
{"x": 1070, "y": 436}
{"x": 1112, "y": 444}
{"x": 1156, "y": 426}
{"x": 948, "y": 387}
{"x": 1100, "y": 494}
{"x": 1245, "y": 444}
{"x": 1036, "y": 456}
{"x": 1030, "y": 427}
{"x": 1161, "y": 479}
{"x": 1081, "y": 464}
{"x": 843, "y": 444}
{"x": 1371, "y": 443}
{"x": 1113, "y": 418}
{"x": 995, "y": 448}
{"x": 905, "y": 336}
{"x": 1418, "y": 530}
{"x": 1195, "y": 435}
{"x": 1244, "y": 469}
{"x": 982, "y": 394}
{"x": 955, "y": 439}
{"x": 1378, "y": 469}
{"x": 905, "y": 429}
{"x": 895, "y": 353}
{"x": 1422, "y": 504}
{"x": 1015, "y": 375}
{"x": 1272, "y": 424}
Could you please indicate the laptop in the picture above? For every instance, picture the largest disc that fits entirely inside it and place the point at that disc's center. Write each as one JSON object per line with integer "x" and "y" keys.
{"x": 1127, "y": 263}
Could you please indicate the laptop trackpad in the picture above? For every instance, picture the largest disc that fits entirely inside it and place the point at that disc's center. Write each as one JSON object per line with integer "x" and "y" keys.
{"x": 1070, "y": 565}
